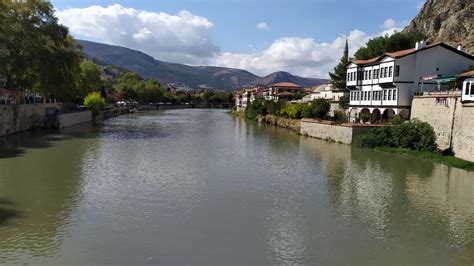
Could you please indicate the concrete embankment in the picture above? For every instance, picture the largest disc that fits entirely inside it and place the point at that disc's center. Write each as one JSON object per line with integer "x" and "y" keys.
{"x": 452, "y": 121}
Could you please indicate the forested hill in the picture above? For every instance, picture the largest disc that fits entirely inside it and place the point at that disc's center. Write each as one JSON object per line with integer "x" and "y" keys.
{"x": 192, "y": 76}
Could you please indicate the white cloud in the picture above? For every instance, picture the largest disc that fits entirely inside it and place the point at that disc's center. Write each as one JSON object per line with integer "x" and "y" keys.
{"x": 388, "y": 24}
{"x": 185, "y": 38}
{"x": 263, "y": 26}
{"x": 303, "y": 56}
{"x": 180, "y": 38}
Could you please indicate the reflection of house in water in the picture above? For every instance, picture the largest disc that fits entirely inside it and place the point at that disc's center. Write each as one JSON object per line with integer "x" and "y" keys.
{"x": 45, "y": 194}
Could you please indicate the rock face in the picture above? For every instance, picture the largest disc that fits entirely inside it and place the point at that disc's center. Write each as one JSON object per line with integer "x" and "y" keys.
{"x": 449, "y": 21}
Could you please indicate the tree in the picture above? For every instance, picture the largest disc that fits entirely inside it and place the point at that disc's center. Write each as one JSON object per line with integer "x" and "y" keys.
{"x": 36, "y": 52}
{"x": 129, "y": 84}
{"x": 338, "y": 77}
{"x": 388, "y": 43}
{"x": 94, "y": 102}
{"x": 90, "y": 78}
{"x": 344, "y": 102}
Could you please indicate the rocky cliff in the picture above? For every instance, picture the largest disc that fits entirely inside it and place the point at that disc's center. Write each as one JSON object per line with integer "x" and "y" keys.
{"x": 449, "y": 21}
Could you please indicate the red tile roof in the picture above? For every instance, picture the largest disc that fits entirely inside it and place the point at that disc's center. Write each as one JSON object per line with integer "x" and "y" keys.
{"x": 286, "y": 85}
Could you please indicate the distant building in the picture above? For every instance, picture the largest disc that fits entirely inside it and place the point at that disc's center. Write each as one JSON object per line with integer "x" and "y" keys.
{"x": 328, "y": 92}
{"x": 384, "y": 86}
{"x": 282, "y": 90}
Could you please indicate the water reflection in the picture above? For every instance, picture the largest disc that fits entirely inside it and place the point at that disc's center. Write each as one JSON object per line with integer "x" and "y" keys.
{"x": 202, "y": 187}
{"x": 39, "y": 191}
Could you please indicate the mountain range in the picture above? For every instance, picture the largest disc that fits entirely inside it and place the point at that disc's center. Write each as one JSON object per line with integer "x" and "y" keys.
{"x": 190, "y": 76}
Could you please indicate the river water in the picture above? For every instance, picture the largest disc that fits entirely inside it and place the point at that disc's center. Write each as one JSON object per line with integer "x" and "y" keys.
{"x": 203, "y": 187}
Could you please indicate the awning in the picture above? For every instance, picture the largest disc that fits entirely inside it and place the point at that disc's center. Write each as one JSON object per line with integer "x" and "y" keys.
{"x": 445, "y": 80}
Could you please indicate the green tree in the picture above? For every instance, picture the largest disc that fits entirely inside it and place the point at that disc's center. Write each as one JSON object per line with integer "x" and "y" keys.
{"x": 129, "y": 85}
{"x": 318, "y": 108}
{"x": 94, "y": 102}
{"x": 338, "y": 77}
{"x": 344, "y": 102}
{"x": 36, "y": 52}
{"x": 388, "y": 43}
{"x": 90, "y": 78}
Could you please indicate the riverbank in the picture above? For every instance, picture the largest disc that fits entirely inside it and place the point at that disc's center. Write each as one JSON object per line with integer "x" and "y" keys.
{"x": 345, "y": 133}
{"x": 436, "y": 157}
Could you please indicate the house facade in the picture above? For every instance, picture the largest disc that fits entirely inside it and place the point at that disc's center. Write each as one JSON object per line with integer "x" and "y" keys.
{"x": 282, "y": 90}
{"x": 383, "y": 87}
{"x": 328, "y": 92}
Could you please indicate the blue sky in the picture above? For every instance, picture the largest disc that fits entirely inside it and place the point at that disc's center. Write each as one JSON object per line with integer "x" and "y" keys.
{"x": 227, "y": 33}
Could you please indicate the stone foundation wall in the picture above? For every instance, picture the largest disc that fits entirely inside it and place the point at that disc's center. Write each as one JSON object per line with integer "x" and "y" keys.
{"x": 452, "y": 121}
{"x": 17, "y": 118}
{"x": 343, "y": 133}
{"x": 463, "y": 132}
{"x": 71, "y": 119}
{"x": 439, "y": 113}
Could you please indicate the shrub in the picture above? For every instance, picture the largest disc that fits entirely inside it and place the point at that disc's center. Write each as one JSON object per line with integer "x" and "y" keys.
{"x": 414, "y": 135}
{"x": 275, "y": 108}
{"x": 340, "y": 116}
{"x": 256, "y": 108}
{"x": 318, "y": 108}
{"x": 94, "y": 102}
{"x": 294, "y": 111}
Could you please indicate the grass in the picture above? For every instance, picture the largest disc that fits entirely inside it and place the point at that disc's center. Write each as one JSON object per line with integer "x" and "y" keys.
{"x": 434, "y": 156}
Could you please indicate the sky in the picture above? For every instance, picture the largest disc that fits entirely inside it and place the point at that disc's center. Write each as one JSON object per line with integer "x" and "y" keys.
{"x": 302, "y": 37}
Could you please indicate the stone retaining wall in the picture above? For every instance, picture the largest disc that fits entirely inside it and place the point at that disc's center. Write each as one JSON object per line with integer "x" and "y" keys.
{"x": 17, "y": 118}
{"x": 327, "y": 130}
{"x": 452, "y": 121}
{"x": 71, "y": 119}
{"x": 439, "y": 113}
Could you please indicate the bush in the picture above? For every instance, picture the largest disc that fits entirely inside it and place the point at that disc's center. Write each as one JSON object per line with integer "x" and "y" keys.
{"x": 95, "y": 102}
{"x": 256, "y": 108}
{"x": 318, "y": 108}
{"x": 414, "y": 135}
{"x": 294, "y": 111}
{"x": 364, "y": 117}
{"x": 275, "y": 108}
{"x": 340, "y": 116}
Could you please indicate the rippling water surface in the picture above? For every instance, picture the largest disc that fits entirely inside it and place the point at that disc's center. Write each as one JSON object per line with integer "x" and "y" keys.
{"x": 202, "y": 187}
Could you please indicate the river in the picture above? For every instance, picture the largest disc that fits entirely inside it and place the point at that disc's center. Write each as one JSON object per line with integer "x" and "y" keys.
{"x": 203, "y": 187}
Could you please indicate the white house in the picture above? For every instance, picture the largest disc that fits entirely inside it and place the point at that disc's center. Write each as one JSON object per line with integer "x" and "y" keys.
{"x": 467, "y": 89}
{"x": 328, "y": 92}
{"x": 281, "y": 90}
{"x": 384, "y": 86}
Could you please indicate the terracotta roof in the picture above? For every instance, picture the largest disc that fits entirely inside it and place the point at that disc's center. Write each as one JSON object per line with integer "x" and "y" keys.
{"x": 402, "y": 53}
{"x": 286, "y": 84}
{"x": 368, "y": 61}
{"x": 466, "y": 74}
